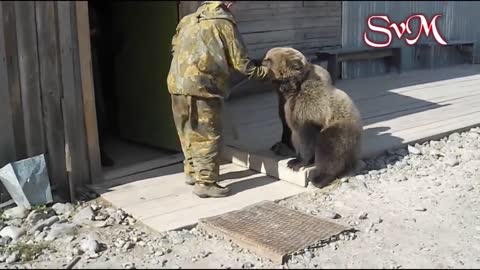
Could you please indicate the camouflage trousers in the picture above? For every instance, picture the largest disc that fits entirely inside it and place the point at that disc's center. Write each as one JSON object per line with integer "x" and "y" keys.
{"x": 199, "y": 128}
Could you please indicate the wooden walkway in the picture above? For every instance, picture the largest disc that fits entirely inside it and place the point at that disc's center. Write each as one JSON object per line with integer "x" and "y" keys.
{"x": 396, "y": 110}
{"x": 161, "y": 200}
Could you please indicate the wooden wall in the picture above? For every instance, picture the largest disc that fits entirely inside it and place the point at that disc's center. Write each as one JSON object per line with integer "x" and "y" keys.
{"x": 304, "y": 25}
{"x": 43, "y": 79}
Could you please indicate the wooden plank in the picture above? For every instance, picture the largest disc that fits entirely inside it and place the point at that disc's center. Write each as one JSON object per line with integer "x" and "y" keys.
{"x": 143, "y": 166}
{"x": 248, "y": 5}
{"x": 75, "y": 139}
{"x": 51, "y": 89}
{"x": 88, "y": 95}
{"x": 439, "y": 129}
{"x": 402, "y": 84}
{"x": 299, "y": 45}
{"x": 321, "y": 3}
{"x": 393, "y": 103}
{"x": 288, "y": 23}
{"x": 414, "y": 119}
{"x": 292, "y": 35}
{"x": 171, "y": 205}
{"x": 30, "y": 77}
{"x": 295, "y": 12}
{"x": 10, "y": 38}
{"x": 7, "y": 144}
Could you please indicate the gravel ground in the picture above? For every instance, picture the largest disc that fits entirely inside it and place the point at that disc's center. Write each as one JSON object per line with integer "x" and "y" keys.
{"x": 414, "y": 207}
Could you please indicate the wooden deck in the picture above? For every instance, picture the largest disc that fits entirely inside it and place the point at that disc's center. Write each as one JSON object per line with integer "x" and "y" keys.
{"x": 397, "y": 109}
{"x": 161, "y": 200}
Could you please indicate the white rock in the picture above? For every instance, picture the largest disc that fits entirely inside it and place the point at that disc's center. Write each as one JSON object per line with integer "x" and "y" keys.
{"x": 413, "y": 150}
{"x": 100, "y": 224}
{"x": 330, "y": 215}
{"x": 18, "y": 212}
{"x": 360, "y": 177}
{"x": 46, "y": 223}
{"x": 63, "y": 208}
{"x": 129, "y": 265}
{"x": 119, "y": 216}
{"x": 90, "y": 246}
{"x": 451, "y": 161}
{"x": 13, "y": 232}
{"x": 60, "y": 230}
{"x": 14, "y": 257}
{"x": 95, "y": 207}
{"x": 119, "y": 243}
{"x": 35, "y": 216}
{"x": 473, "y": 135}
{"x": 100, "y": 218}
{"x": 86, "y": 214}
{"x": 5, "y": 240}
{"x": 363, "y": 215}
{"x": 130, "y": 220}
{"x": 129, "y": 245}
{"x": 40, "y": 236}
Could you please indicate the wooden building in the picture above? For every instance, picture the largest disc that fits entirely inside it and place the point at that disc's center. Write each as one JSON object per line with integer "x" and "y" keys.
{"x": 47, "y": 89}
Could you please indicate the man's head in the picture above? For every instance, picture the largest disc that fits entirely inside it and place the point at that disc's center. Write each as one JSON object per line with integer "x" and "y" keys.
{"x": 228, "y": 4}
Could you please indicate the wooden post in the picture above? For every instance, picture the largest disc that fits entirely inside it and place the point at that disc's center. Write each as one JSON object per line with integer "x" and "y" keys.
{"x": 51, "y": 88}
{"x": 13, "y": 77}
{"x": 29, "y": 77}
{"x": 77, "y": 161}
{"x": 88, "y": 95}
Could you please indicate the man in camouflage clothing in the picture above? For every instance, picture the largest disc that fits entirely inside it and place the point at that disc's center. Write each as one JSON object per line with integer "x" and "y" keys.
{"x": 205, "y": 48}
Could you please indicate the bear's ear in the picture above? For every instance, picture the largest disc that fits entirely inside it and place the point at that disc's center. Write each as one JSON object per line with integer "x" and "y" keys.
{"x": 296, "y": 64}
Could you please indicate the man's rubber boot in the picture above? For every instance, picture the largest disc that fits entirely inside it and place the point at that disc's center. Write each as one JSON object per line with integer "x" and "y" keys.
{"x": 210, "y": 190}
{"x": 189, "y": 180}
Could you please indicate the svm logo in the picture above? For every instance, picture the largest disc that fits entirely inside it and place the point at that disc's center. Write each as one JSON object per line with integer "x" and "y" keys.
{"x": 399, "y": 30}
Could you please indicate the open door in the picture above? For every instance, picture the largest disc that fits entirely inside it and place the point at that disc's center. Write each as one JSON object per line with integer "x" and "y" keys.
{"x": 142, "y": 63}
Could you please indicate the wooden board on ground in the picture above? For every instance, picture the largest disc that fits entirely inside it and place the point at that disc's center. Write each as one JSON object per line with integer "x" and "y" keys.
{"x": 161, "y": 200}
{"x": 252, "y": 229}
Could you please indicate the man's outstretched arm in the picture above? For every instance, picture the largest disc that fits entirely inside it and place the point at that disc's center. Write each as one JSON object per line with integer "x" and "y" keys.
{"x": 237, "y": 55}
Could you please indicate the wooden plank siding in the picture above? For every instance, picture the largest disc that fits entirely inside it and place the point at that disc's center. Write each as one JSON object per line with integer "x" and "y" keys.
{"x": 13, "y": 77}
{"x": 84, "y": 63}
{"x": 52, "y": 92}
{"x": 77, "y": 160}
{"x": 304, "y": 25}
{"x": 46, "y": 91}
{"x": 29, "y": 77}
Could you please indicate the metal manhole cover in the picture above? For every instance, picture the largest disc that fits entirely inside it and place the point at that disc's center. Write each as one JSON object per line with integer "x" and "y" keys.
{"x": 271, "y": 230}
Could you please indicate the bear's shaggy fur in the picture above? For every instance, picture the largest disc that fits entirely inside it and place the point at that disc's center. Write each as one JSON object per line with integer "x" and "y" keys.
{"x": 284, "y": 147}
{"x": 325, "y": 123}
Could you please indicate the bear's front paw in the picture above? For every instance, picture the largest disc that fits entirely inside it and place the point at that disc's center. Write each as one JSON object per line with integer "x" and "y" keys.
{"x": 295, "y": 164}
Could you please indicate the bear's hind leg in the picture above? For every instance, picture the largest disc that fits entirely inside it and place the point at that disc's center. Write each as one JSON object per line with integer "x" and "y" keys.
{"x": 304, "y": 143}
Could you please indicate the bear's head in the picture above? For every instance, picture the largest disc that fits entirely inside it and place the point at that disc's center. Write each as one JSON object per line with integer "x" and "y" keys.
{"x": 288, "y": 67}
{"x": 286, "y": 64}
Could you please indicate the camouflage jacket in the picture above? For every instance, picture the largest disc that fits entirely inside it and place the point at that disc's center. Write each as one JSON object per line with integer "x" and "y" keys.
{"x": 205, "y": 48}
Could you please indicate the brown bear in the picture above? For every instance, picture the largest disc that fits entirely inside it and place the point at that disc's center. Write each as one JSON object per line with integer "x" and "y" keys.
{"x": 284, "y": 147}
{"x": 325, "y": 124}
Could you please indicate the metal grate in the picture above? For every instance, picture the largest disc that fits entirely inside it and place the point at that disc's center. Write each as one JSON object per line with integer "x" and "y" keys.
{"x": 271, "y": 230}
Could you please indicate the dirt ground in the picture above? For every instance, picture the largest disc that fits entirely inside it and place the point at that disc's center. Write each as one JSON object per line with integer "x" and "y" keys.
{"x": 413, "y": 208}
